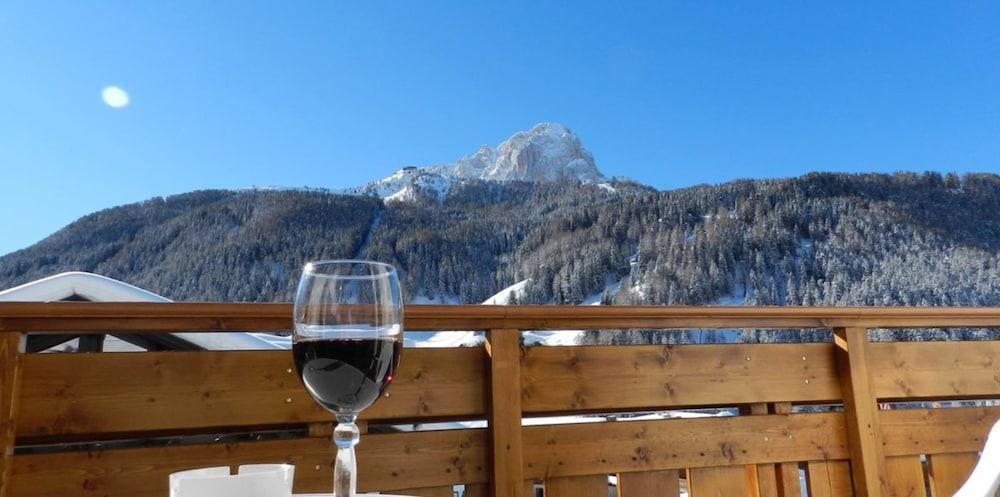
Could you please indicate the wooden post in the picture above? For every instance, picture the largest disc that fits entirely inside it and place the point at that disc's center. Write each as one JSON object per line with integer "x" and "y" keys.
{"x": 864, "y": 434}
{"x": 504, "y": 349}
{"x": 11, "y": 346}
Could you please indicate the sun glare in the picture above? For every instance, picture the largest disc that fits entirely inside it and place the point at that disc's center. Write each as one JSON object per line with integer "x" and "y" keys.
{"x": 115, "y": 97}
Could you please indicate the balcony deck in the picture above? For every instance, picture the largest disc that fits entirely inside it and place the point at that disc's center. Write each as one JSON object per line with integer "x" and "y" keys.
{"x": 49, "y": 400}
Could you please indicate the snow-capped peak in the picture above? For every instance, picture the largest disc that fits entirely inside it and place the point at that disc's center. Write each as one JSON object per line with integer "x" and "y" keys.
{"x": 548, "y": 152}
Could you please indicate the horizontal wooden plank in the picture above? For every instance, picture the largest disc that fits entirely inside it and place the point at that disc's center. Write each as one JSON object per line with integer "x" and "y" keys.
{"x": 386, "y": 462}
{"x": 907, "y": 371}
{"x": 160, "y": 317}
{"x": 163, "y": 391}
{"x": 429, "y": 459}
{"x": 559, "y": 379}
{"x": 586, "y": 449}
{"x": 936, "y": 431}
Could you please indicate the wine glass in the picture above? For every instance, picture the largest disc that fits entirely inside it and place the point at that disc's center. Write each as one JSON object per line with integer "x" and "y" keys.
{"x": 348, "y": 333}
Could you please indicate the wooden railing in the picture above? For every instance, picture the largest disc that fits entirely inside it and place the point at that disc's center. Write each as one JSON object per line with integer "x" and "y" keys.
{"x": 50, "y": 401}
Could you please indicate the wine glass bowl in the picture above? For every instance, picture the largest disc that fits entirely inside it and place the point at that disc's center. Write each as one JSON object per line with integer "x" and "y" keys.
{"x": 347, "y": 336}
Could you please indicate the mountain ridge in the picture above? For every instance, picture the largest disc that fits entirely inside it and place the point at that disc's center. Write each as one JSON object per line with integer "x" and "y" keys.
{"x": 820, "y": 239}
{"x": 536, "y": 215}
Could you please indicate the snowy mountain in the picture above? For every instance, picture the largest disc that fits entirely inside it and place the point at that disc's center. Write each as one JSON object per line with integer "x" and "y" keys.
{"x": 548, "y": 152}
{"x": 409, "y": 183}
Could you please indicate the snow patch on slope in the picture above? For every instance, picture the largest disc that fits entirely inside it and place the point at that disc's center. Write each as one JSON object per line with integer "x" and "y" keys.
{"x": 611, "y": 288}
{"x": 503, "y": 296}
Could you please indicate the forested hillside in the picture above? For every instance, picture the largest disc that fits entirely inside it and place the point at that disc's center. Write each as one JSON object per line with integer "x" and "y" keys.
{"x": 822, "y": 239}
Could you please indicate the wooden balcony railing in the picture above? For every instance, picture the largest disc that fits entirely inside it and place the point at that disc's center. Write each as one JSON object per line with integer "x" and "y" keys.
{"x": 49, "y": 402}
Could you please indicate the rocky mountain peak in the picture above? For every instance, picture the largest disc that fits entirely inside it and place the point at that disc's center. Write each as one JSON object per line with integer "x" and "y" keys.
{"x": 547, "y": 152}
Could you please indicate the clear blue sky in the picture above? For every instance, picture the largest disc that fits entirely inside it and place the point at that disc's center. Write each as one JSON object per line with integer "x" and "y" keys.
{"x": 333, "y": 94}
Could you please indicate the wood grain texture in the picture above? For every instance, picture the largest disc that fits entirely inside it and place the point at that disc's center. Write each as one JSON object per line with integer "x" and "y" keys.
{"x": 478, "y": 490}
{"x": 71, "y": 396}
{"x": 829, "y": 478}
{"x": 11, "y": 348}
{"x": 935, "y": 370}
{"x": 390, "y": 462}
{"x": 444, "y": 491}
{"x": 787, "y": 472}
{"x": 109, "y": 393}
{"x": 586, "y": 449}
{"x": 863, "y": 431}
{"x": 788, "y": 480}
{"x": 763, "y": 477}
{"x": 649, "y": 484}
{"x": 161, "y": 317}
{"x": 722, "y": 481}
{"x": 904, "y": 477}
{"x": 947, "y": 472}
{"x": 936, "y": 431}
{"x": 570, "y": 379}
{"x": 504, "y": 350}
{"x": 577, "y": 486}
{"x": 529, "y": 488}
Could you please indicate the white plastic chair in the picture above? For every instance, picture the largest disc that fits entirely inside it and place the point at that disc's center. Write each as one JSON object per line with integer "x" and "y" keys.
{"x": 985, "y": 478}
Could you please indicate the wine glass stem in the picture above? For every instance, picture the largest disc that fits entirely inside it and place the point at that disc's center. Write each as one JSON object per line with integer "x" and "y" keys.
{"x": 345, "y": 436}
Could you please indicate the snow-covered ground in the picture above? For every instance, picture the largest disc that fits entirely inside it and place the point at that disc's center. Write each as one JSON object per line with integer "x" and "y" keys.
{"x": 503, "y": 296}
{"x": 611, "y": 287}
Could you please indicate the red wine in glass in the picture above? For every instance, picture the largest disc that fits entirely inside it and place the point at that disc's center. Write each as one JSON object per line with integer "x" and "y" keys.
{"x": 346, "y": 375}
{"x": 347, "y": 337}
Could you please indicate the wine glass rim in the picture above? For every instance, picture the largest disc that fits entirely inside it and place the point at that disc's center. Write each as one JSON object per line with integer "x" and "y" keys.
{"x": 311, "y": 266}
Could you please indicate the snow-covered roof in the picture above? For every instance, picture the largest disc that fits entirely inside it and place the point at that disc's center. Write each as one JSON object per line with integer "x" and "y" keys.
{"x": 87, "y": 286}
{"x": 97, "y": 288}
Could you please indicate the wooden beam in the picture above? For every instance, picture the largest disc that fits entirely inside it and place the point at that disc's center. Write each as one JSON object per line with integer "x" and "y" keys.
{"x": 387, "y": 462}
{"x": 11, "y": 348}
{"x": 82, "y": 394}
{"x": 603, "y": 448}
{"x": 861, "y": 411}
{"x": 935, "y": 370}
{"x": 100, "y": 317}
{"x": 504, "y": 349}
{"x": 912, "y": 432}
{"x": 640, "y": 377}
